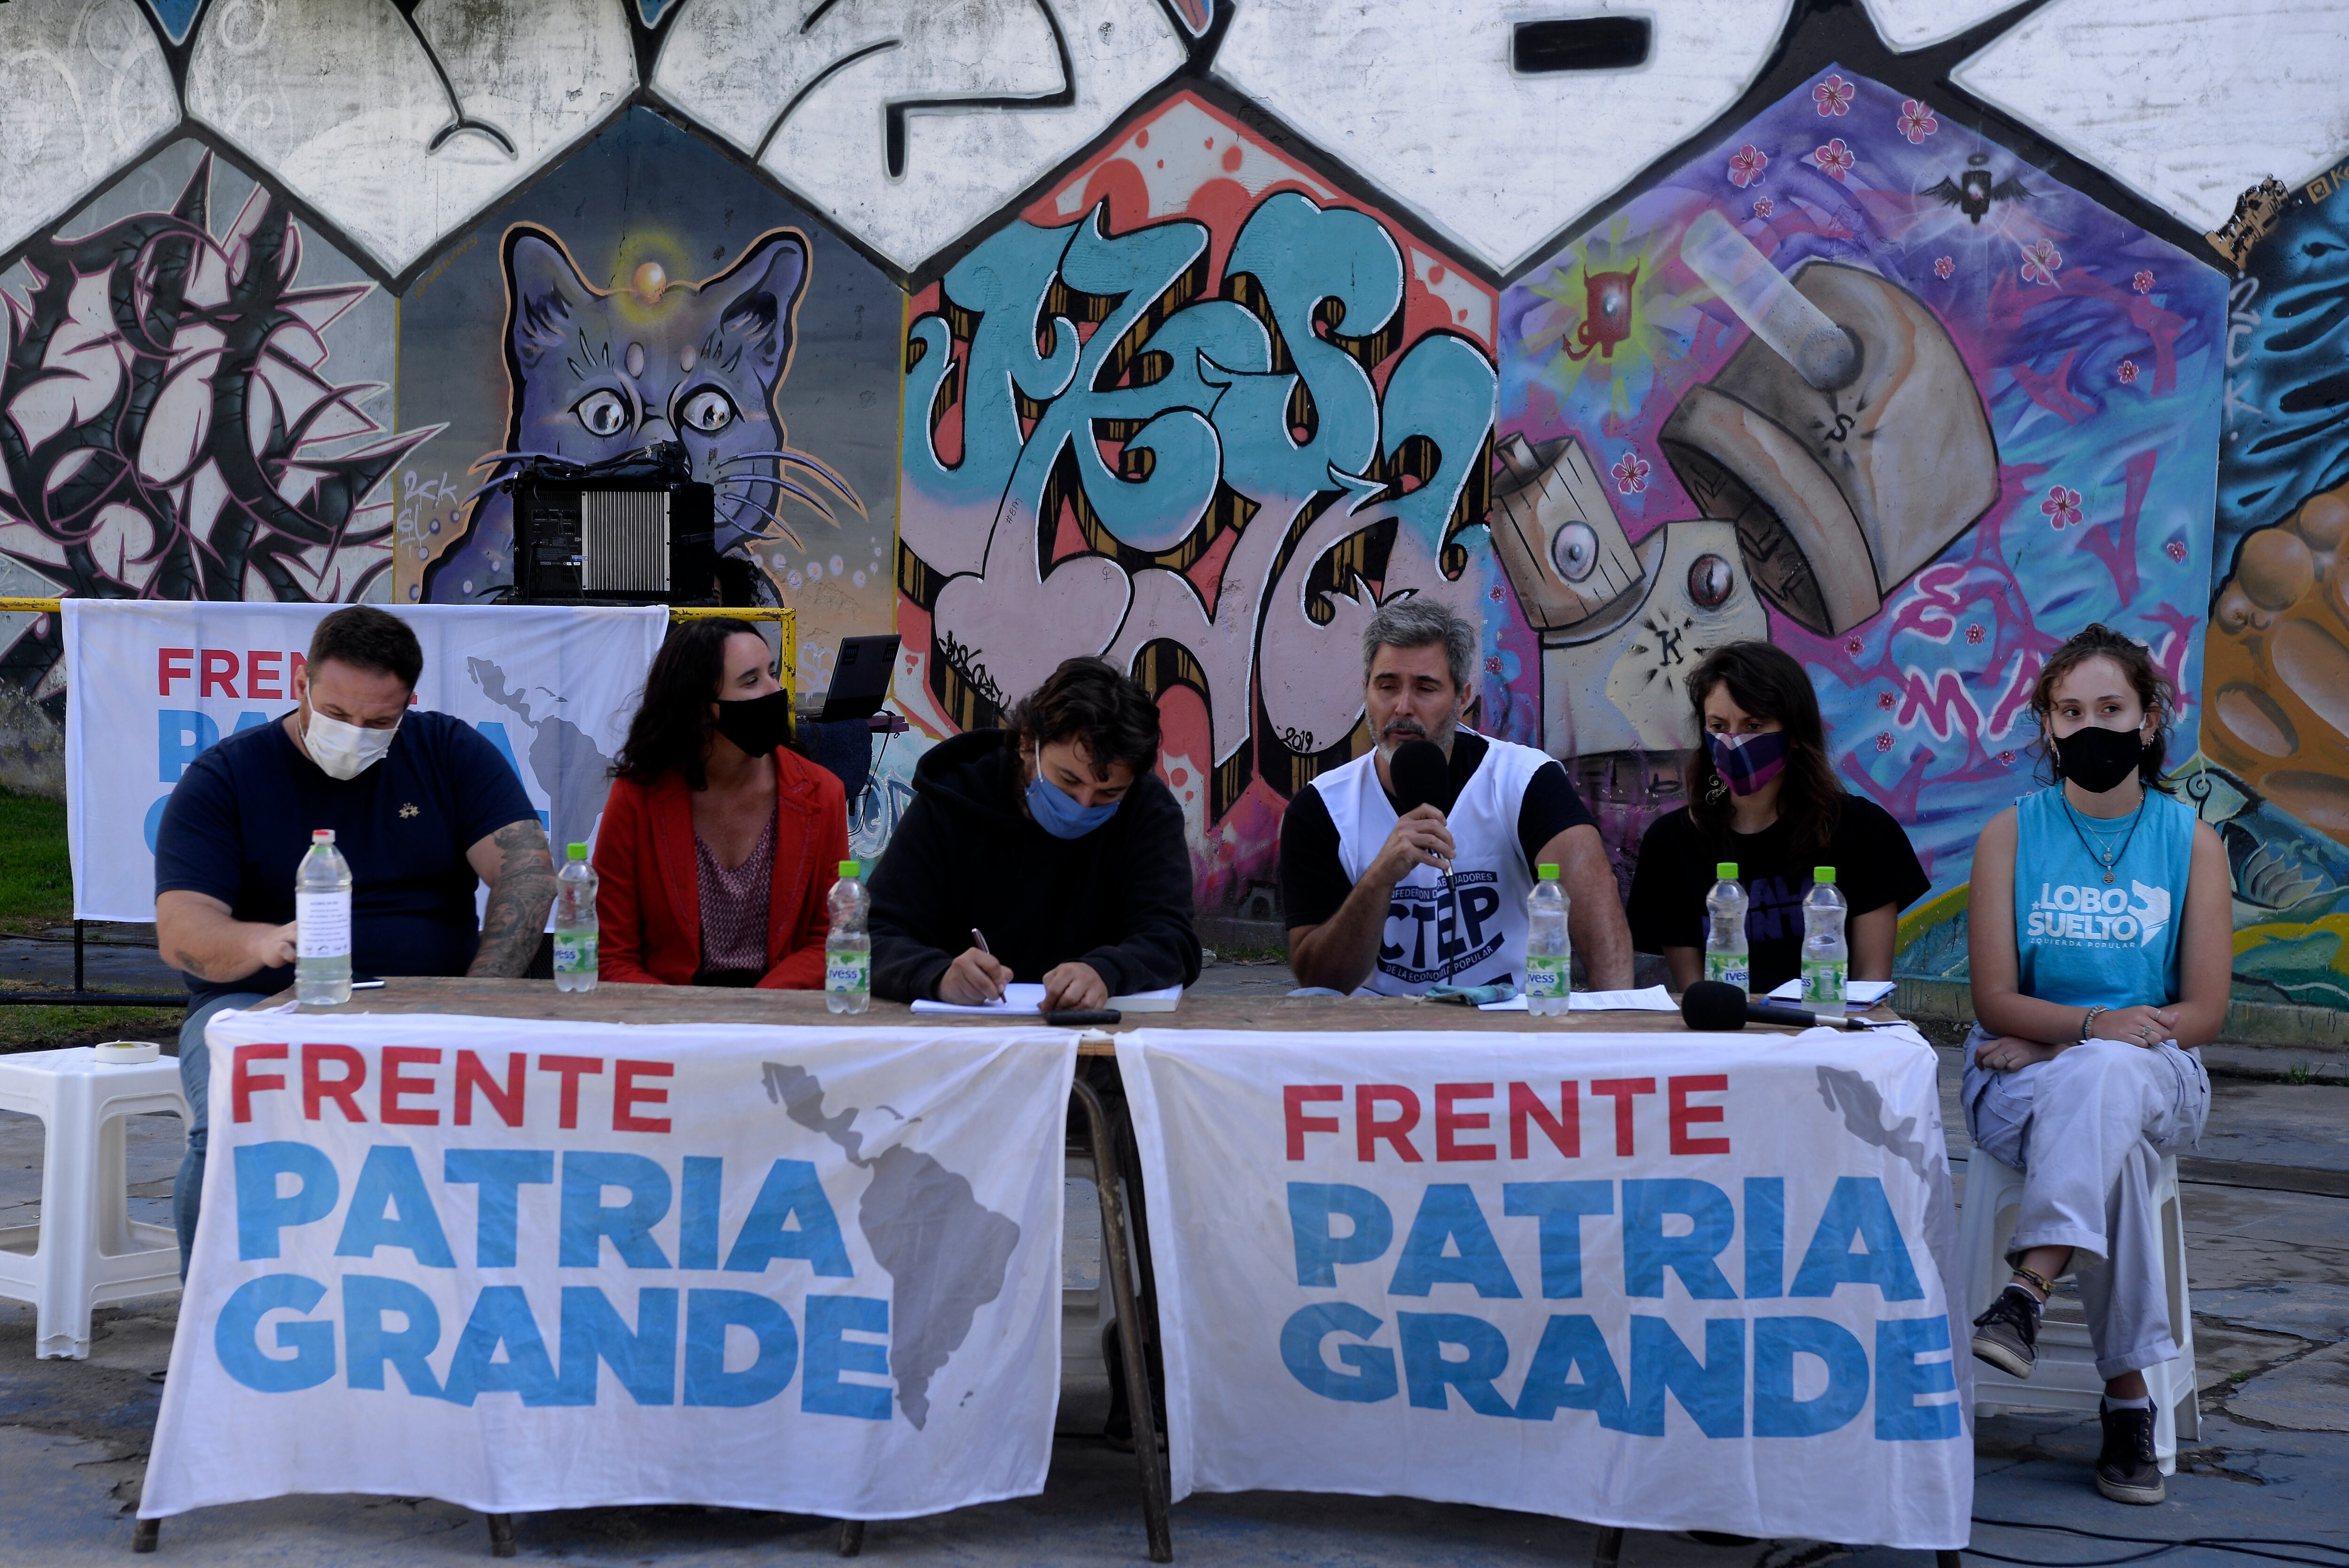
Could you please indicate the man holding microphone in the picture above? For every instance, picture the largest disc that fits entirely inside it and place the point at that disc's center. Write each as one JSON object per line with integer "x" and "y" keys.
{"x": 1395, "y": 901}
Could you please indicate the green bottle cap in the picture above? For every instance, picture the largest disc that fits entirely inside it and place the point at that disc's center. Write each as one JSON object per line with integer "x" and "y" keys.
{"x": 1726, "y": 871}
{"x": 1549, "y": 873}
{"x": 575, "y": 853}
{"x": 1825, "y": 874}
{"x": 848, "y": 868}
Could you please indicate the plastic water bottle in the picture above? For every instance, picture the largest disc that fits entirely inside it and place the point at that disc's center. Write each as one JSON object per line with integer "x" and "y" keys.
{"x": 322, "y": 924}
{"x": 1826, "y": 957}
{"x": 575, "y": 922}
{"x": 1725, "y": 956}
{"x": 1550, "y": 951}
{"x": 847, "y": 951}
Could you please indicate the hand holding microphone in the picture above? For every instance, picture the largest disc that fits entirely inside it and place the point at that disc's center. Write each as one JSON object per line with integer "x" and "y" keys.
{"x": 1421, "y": 777}
{"x": 1422, "y": 780}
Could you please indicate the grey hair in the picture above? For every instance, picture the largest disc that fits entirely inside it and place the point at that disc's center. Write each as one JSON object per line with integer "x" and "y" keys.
{"x": 1418, "y": 623}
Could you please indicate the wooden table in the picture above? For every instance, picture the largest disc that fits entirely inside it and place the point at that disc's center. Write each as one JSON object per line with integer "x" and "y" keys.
{"x": 716, "y": 1005}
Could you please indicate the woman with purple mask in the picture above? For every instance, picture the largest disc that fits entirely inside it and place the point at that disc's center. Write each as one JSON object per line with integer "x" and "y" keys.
{"x": 1762, "y": 795}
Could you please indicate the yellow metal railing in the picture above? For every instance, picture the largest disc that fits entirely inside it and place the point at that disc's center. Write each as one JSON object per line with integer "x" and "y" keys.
{"x": 786, "y": 629}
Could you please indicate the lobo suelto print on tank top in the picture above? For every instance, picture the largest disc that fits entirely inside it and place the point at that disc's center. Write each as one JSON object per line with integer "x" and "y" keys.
{"x": 2081, "y": 939}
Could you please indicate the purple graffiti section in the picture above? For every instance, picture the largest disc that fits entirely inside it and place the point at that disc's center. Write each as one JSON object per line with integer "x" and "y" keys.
{"x": 1942, "y": 410}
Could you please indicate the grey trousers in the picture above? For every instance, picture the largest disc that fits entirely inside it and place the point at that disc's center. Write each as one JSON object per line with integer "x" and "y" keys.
{"x": 2088, "y": 1130}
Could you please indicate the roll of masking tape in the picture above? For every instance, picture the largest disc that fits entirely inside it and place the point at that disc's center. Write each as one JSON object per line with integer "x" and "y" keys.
{"x": 128, "y": 1053}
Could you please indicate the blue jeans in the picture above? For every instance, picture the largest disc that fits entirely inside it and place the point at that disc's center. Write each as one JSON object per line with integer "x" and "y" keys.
{"x": 195, "y": 1082}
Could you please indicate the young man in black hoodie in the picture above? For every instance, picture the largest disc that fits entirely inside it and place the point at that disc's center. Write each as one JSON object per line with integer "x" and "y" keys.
{"x": 1052, "y": 839}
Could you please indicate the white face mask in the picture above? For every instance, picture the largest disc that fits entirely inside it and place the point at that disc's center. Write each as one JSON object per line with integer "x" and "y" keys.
{"x": 344, "y": 750}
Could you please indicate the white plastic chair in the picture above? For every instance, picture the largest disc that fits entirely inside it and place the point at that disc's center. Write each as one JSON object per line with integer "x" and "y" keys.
{"x": 2065, "y": 1376}
{"x": 87, "y": 1250}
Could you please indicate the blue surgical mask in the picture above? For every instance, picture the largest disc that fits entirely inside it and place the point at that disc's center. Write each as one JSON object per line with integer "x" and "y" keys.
{"x": 1057, "y": 812}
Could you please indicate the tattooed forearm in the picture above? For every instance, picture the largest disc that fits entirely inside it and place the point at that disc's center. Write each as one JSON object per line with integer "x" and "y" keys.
{"x": 189, "y": 963}
{"x": 520, "y": 896}
{"x": 197, "y": 935}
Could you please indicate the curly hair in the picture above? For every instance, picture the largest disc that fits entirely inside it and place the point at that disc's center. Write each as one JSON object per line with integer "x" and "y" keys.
{"x": 1088, "y": 700}
{"x": 672, "y": 726}
{"x": 2153, "y": 693}
{"x": 1767, "y": 682}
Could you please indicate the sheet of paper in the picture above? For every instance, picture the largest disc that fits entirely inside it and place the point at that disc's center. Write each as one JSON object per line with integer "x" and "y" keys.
{"x": 1652, "y": 999}
{"x": 1855, "y": 993}
{"x": 1022, "y": 999}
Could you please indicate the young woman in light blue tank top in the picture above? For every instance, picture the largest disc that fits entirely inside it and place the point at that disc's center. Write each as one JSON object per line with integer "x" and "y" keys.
{"x": 2101, "y": 937}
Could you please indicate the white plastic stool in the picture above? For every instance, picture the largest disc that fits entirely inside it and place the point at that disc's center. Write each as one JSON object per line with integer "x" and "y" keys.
{"x": 1085, "y": 1311}
{"x": 2065, "y": 1378}
{"x": 87, "y": 1250}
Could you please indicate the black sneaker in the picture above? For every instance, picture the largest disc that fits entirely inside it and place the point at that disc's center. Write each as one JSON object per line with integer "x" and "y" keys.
{"x": 2127, "y": 1472}
{"x": 2007, "y": 1336}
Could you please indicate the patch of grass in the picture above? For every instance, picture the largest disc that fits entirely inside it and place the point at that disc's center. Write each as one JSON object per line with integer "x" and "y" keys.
{"x": 35, "y": 871}
{"x": 48, "y": 1028}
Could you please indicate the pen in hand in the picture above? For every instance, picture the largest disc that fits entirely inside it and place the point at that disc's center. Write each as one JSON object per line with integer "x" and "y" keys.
{"x": 978, "y": 940}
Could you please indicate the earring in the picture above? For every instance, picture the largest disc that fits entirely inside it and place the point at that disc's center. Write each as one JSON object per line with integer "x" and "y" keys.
{"x": 1716, "y": 790}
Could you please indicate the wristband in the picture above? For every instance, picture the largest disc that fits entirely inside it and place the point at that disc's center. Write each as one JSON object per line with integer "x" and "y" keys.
{"x": 2089, "y": 1020}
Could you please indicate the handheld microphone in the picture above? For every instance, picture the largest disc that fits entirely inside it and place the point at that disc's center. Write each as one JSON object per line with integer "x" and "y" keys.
{"x": 1710, "y": 1006}
{"x": 1422, "y": 777}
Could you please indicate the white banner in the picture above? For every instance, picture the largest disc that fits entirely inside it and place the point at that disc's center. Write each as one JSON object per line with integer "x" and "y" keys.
{"x": 152, "y": 683}
{"x": 522, "y": 1265}
{"x": 1667, "y": 1282}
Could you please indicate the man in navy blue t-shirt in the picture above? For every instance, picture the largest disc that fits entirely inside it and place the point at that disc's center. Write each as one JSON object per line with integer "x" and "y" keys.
{"x": 421, "y": 804}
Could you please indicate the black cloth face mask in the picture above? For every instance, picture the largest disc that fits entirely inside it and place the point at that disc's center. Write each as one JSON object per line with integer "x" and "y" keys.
{"x": 2097, "y": 758}
{"x": 757, "y": 724}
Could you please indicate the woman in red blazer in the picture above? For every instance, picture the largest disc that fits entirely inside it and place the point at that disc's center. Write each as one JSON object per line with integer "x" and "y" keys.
{"x": 719, "y": 845}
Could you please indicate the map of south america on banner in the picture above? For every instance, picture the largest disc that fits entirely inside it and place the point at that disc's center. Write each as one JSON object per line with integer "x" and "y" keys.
{"x": 524, "y": 1265}
{"x": 1660, "y": 1282}
{"x": 152, "y": 683}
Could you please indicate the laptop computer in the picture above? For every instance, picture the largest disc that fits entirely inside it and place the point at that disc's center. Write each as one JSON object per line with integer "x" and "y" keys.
{"x": 859, "y": 678}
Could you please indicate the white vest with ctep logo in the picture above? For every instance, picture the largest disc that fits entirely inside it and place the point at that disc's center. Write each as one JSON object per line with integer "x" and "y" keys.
{"x": 1478, "y": 934}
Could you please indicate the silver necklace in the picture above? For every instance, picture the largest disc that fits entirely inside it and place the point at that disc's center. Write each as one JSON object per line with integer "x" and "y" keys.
{"x": 2101, "y": 852}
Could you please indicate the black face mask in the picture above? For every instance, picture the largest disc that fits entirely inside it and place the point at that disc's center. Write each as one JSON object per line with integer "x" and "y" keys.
{"x": 2097, "y": 758}
{"x": 757, "y": 724}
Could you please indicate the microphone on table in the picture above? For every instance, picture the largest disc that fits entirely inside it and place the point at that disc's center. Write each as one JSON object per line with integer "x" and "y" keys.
{"x": 1421, "y": 775}
{"x": 1713, "y": 1007}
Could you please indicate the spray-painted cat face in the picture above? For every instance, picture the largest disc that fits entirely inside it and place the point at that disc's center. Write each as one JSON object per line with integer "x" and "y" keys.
{"x": 599, "y": 374}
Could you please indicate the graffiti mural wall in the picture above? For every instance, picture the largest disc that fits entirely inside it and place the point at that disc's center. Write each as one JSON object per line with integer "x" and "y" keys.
{"x": 1855, "y": 380}
{"x": 650, "y": 291}
{"x": 1197, "y": 413}
{"x": 197, "y": 406}
{"x": 2274, "y": 776}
